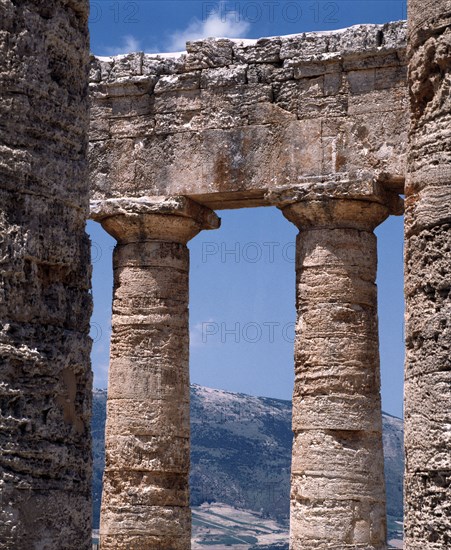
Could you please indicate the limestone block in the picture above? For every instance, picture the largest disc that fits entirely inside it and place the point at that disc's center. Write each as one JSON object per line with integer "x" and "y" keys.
{"x": 264, "y": 50}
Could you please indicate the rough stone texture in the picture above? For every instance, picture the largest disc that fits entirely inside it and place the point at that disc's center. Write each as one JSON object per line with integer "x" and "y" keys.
{"x": 337, "y": 473}
{"x": 315, "y": 123}
{"x": 45, "y": 305}
{"x": 145, "y": 502}
{"x": 428, "y": 280}
{"x": 230, "y": 120}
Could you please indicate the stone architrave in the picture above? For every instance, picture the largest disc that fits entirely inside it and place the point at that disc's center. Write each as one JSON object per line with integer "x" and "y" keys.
{"x": 145, "y": 502}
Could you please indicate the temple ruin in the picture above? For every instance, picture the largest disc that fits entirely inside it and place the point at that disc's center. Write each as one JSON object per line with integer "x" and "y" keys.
{"x": 333, "y": 128}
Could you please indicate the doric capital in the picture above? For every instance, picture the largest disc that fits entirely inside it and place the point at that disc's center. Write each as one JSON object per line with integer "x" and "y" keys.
{"x": 336, "y": 214}
{"x": 175, "y": 219}
{"x": 360, "y": 204}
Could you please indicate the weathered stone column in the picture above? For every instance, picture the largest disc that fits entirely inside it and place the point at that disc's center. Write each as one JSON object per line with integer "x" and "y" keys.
{"x": 427, "y": 409}
{"x": 337, "y": 491}
{"x": 145, "y": 502}
{"x": 45, "y": 304}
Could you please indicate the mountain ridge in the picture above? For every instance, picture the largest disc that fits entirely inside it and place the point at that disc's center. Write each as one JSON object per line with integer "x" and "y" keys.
{"x": 241, "y": 453}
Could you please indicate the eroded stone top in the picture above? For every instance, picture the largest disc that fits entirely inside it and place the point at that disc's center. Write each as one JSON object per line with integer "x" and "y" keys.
{"x": 289, "y": 51}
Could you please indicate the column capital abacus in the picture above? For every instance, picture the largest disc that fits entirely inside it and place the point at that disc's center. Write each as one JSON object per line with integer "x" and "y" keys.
{"x": 174, "y": 219}
{"x": 337, "y": 204}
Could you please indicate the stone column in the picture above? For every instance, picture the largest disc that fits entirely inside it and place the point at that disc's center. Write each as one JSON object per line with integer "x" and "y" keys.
{"x": 427, "y": 408}
{"x": 145, "y": 502}
{"x": 337, "y": 483}
{"x": 45, "y": 277}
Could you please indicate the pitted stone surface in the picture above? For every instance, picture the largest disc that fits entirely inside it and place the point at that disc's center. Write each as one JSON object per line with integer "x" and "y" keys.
{"x": 428, "y": 280}
{"x": 45, "y": 305}
{"x": 145, "y": 501}
{"x": 337, "y": 483}
{"x": 229, "y": 120}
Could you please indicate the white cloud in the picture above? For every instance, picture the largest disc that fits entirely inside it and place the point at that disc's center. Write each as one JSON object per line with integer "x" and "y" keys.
{"x": 223, "y": 24}
{"x": 203, "y": 333}
{"x": 129, "y": 44}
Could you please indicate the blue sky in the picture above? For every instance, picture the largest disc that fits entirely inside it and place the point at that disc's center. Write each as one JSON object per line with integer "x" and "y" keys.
{"x": 242, "y": 275}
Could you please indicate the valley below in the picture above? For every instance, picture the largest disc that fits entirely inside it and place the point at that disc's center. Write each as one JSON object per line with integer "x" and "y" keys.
{"x": 240, "y": 469}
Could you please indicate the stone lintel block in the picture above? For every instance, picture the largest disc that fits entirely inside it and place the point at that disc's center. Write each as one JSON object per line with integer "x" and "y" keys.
{"x": 337, "y": 412}
{"x": 152, "y": 453}
{"x": 378, "y": 61}
{"x": 166, "y": 64}
{"x": 179, "y": 102}
{"x": 312, "y": 69}
{"x": 210, "y": 52}
{"x": 304, "y": 47}
{"x": 130, "y": 64}
{"x": 327, "y": 105}
{"x": 263, "y": 50}
{"x": 358, "y": 40}
{"x": 132, "y": 87}
{"x": 178, "y": 82}
{"x": 223, "y": 77}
